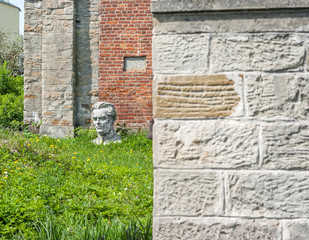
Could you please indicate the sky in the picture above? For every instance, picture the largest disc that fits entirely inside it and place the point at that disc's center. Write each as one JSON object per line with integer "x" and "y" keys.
{"x": 20, "y": 4}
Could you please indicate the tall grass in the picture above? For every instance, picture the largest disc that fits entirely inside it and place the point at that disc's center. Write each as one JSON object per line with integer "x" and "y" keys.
{"x": 72, "y": 189}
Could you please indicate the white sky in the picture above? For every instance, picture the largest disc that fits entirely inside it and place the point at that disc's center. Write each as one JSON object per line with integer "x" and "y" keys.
{"x": 20, "y": 4}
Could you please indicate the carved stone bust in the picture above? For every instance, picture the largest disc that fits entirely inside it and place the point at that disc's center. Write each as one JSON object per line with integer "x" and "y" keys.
{"x": 104, "y": 117}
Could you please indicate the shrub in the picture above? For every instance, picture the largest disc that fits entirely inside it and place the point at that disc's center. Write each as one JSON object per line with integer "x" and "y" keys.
{"x": 70, "y": 188}
{"x": 11, "y": 98}
{"x": 11, "y": 51}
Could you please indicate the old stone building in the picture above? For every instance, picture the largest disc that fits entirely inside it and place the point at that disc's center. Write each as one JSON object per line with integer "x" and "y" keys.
{"x": 230, "y": 102}
{"x": 231, "y": 108}
{"x": 79, "y": 52}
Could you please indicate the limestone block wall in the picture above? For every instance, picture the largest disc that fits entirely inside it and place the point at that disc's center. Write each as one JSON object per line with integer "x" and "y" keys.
{"x": 231, "y": 133}
{"x": 87, "y": 59}
{"x": 61, "y": 64}
{"x": 33, "y": 61}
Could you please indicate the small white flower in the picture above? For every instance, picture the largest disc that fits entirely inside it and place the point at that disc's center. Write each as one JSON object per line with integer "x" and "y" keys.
{"x": 125, "y": 189}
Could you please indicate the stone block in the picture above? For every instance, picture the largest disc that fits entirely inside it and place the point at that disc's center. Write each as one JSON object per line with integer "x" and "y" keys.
{"x": 220, "y": 22}
{"x": 56, "y": 4}
{"x": 277, "y": 96}
{"x": 285, "y": 146}
{"x": 215, "y": 229}
{"x": 197, "y": 96}
{"x": 267, "y": 194}
{"x": 187, "y": 193}
{"x": 265, "y": 52}
{"x": 180, "y": 54}
{"x": 296, "y": 230}
{"x": 159, "y": 6}
{"x": 57, "y": 131}
{"x": 205, "y": 144}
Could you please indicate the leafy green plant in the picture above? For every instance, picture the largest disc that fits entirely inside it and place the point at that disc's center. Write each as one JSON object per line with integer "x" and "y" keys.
{"x": 50, "y": 187}
{"x": 123, "y": 130}
{"x": 11, "y": 98}
{"x": 11, "y": 51}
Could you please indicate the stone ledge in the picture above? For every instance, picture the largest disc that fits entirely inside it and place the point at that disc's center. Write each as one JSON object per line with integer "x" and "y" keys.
{"x": 163, "y": 6}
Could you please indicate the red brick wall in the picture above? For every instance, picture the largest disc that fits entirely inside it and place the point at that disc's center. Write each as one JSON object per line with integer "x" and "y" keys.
{"x": 126, "y": 31}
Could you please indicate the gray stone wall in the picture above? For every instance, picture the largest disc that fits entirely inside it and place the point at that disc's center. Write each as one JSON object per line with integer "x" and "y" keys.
{"x": 87, "y": 59}
{"x": 61, "y": 64}
{"x": 33, "y": 61}
{"x": 231, "y": 133}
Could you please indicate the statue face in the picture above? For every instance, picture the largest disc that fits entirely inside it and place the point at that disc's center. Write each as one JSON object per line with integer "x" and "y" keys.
{"x": 102, "y": 122}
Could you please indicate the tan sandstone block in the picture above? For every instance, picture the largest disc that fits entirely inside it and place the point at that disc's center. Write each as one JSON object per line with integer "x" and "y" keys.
{"x": 187, "y": 193}
{"x": 277, "y": 95}
{"x": 285, "y": 146}
{"x": 215, "y": 229}
{"x": 296, "y": 229}
{"x": 180, "y": 53}
{"x": 196, "y": 96}
{"x": 266, "y": 52}
{"x": 205, "y": 144}
{"x": 267, "y": 194}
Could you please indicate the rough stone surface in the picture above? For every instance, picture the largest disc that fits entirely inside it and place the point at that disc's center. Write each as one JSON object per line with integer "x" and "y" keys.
{"x": 266, "y": 52}
{"x": 278, "y": 95}
{"x": 215, "y": 229}
{"x": 196, "y": 96}
{"x": 135, "y": 64}
{"x": 56, "y": 131}
{"x": 307, "y": 57}
{"x": 296, "y": 230}
{"x": 159, "y": 6}
{"x": 87, "y": 59}
{"x": 181, "y": 54}
{"x": 58, "y": 57}
{"x": 286, "y": 146}
{"x": 255, "y": 143}
{"x": 267, "y": 194}
{"x": 33, "y": 62}
{"x": 205, "y": 144}
{"x": 220, "y": 22}
{"x": 189, "y": 193}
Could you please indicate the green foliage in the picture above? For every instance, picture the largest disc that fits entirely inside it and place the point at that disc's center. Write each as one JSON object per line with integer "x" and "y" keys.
{"x": 11, "y": 51}
{"x": 72, "y": 189}
{"x": 11, "y": 98}
{"x": 83, "y": 227}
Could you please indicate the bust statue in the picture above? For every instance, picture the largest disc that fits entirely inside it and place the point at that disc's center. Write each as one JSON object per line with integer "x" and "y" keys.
{"x": 104, "y": 117}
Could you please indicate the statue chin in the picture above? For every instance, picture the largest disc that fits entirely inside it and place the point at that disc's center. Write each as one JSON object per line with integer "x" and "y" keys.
{"x": 115, "y": 139}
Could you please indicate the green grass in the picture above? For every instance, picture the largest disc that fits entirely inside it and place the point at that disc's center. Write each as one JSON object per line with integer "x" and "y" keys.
{"x": 72, "y": 189}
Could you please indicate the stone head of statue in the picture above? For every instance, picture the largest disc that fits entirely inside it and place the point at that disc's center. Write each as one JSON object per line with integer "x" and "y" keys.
{"x": 104, "y": 117}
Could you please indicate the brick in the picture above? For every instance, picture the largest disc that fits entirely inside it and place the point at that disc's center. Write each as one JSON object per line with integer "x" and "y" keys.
{"x": 126, "y": 31}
